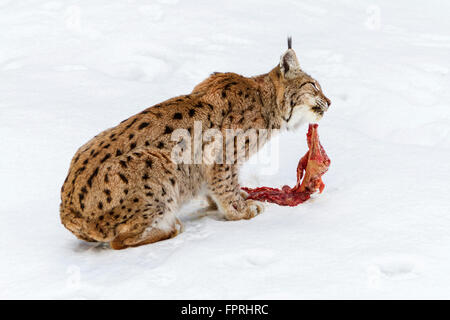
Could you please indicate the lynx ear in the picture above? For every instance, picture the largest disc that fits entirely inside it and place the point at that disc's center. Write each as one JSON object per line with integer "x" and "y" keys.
{"x": 289, "y": 62}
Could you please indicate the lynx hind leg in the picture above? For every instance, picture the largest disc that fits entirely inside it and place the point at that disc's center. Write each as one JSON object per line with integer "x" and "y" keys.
{"x": 224, "y": 188}
{"x": 168, "y": 226}
{"x": 154, "y": 222}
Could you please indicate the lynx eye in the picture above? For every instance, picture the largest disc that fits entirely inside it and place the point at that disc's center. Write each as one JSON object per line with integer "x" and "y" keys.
{"x": 316, "y": 87}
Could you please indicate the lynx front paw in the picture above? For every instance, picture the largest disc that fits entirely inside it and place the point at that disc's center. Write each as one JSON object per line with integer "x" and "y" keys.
{"x": 253, "y": 208}
{"x": 244, "y": 210}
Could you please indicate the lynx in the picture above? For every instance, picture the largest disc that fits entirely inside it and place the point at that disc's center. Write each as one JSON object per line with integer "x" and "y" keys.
{"x": 123, "y": 186}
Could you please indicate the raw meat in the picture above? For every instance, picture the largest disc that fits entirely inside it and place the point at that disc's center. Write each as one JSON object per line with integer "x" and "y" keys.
{"x": 311, "y": 166}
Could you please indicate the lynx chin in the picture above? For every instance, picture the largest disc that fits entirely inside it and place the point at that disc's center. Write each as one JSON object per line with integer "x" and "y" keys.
{"x": 124, "y": 188}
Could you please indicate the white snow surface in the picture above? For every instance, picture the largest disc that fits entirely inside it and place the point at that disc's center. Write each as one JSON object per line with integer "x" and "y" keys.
{"x": 381, "y": 228}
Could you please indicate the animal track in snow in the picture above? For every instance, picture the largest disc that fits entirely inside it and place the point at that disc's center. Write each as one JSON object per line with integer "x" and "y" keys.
{"x": 396, "y": 268}
{"x": 137, "y": 69}
{"x": 161, "y": 278}
{"x": 196, "y": 231}
{"x": 257, "y": 257}
{"x": 260, "y": 257}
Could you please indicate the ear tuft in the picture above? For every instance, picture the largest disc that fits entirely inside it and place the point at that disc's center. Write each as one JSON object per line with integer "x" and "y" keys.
{"x": 289, "y": 42}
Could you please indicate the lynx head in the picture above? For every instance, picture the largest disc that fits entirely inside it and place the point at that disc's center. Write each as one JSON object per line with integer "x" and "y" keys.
{"x": 299, "y": 96}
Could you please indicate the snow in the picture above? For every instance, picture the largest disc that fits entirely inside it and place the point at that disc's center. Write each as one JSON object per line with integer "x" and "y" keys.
{"x": 379, "y": 230}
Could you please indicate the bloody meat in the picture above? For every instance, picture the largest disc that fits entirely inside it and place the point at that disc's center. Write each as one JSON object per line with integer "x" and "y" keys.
{"x": 311, "y": 167}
